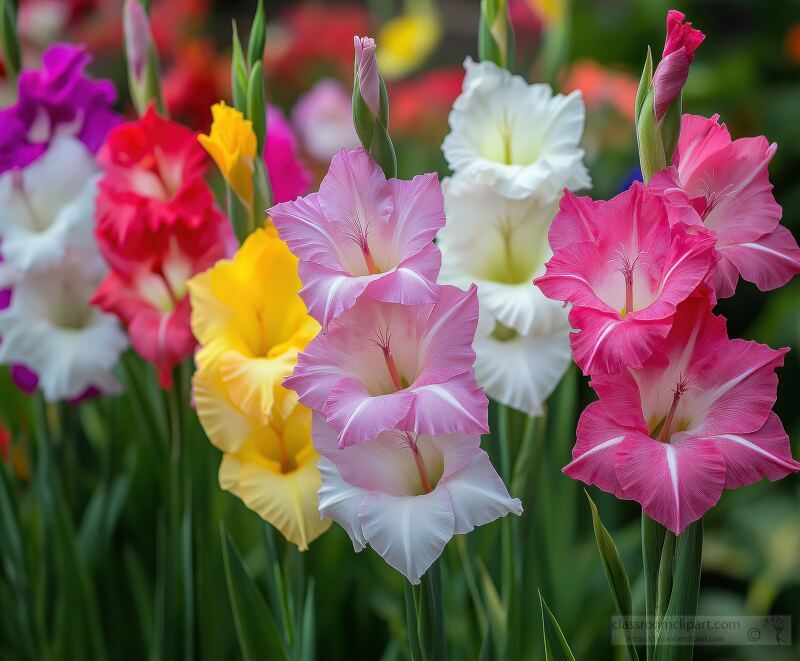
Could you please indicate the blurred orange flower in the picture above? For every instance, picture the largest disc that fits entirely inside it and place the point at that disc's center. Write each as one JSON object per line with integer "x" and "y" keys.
{"x": 602, "y": 86}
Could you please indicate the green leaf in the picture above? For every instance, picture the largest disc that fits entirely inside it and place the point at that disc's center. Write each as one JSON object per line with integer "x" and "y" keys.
{"x": 555, "y": 645}
{"x": 256, "y": 628}
{"x": 9, "y": 38}
{"x": 671, "y": 128}
{"x": 648, "y": 135}
{"x": 685, "y": 589}
{"x": 255, "y": 46}
{"x": 614, "y": 568}
{"x": 644, "y": 84}
{"x": 412, "y": 635}
{"x": 652, "y": 544}
{"x": 238, "y": 73}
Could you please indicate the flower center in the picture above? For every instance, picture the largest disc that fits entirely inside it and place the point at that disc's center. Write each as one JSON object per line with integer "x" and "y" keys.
{"x": 359, "y": 234}
{"x": 680, "y": 389}
{"x": 382, "y": 341}
{"x": 420, "y": 463}
{"x": 627, "y": 266}
{"x": 36, "y": 222}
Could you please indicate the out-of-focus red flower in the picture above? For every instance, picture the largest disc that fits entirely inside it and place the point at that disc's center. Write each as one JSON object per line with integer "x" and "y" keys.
{"x": 5, "y": 441}
{"x": 527, "y": 23}
{"x": 196, "y": 80}
{"x": 792, "y": 44}
{"x": 157, "y": 225}
{"x": 315, "y": 41}
{"x": 288, "y": 175}
{"x": 601, "y": 86}
{"x": 420, "y": 105}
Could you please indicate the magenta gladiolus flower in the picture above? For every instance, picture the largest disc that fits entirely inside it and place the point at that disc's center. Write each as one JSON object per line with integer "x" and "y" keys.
{"x": 624, "y": 270}
{"x": 695, "y": 419}
{"x": 672, "y": 72}
{"x": 56, "y": 101}
{"x": 364, "y": 235}
{"x": 288, "y": 176}
{"x": 385, "y": 366}
{"x": 407, "y": 495}
{"x": 367, "y": 70}
{"x": 723, "y": 185}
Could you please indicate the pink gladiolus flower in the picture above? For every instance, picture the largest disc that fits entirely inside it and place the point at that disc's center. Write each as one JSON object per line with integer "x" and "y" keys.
{"x": 673, "y": 70}
{"x": 695, "y": 419}
{"x": 723, "y": 185}
{"x": 288, "y": 175}
{"x": 624, "y": 270}
{"x": 438, "y": 486}
{"x": 384, "y": 366}
{"x": 367, "y": 69}
{"x": 364, "y": 235}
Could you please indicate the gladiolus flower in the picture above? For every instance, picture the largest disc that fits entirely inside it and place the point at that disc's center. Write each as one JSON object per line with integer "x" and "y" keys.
{"x": 407, "y": 495}
{"x": 157, "y": 225}
{"x": 522, "y": 341}
{"x": 250, "y": 321}
{"x": 407, "y": 41}
{"x": 367, "y": 71}
{"x": 386, "y": 366}
{"x": 364, "y": 236}
{"x": 232, "y": 144}
{"x": 47, "y": 208}
{"x": 624, "y": 270}
{"x": 723, "y": 186}
{"x": 288, "y": 174}
{"x": 672, "y": 72}
{"x": 694, "y": 419}
{"x": 517, "y": 138}
{"x": 60, "y": 101}
{"x": 323, "y": 118}
{"x": 51, "y": 328}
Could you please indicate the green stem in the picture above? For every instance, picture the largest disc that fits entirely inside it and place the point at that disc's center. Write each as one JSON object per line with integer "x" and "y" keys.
{"x": 652, "y": 544}
{"x": 430, "y": 614}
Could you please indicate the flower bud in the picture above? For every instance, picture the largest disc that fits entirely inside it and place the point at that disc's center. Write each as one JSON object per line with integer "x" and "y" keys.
{"x": 673, "y": 70}
{"x": 144, "y": 79}
{"x": 367, "y": 73}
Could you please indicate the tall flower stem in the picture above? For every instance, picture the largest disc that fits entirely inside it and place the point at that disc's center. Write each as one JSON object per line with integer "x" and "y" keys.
{"x": 430, "y": 614}
{"x": 652, "y": 544}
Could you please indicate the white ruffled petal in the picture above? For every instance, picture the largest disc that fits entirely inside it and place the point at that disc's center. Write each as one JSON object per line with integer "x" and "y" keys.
{"x": 339, "y": 501}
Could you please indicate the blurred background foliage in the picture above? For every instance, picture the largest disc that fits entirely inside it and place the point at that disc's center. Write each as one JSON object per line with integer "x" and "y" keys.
{"x": 114, "y": 544}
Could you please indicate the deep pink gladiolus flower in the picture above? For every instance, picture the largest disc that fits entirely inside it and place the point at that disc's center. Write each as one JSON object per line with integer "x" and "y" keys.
{"x": 57, "y": 100}
{"x": 624, "y": 270}
{"x": 723, "y": 186}
{"x": 288, "y": 175}
{"x": 362, "y": 235}
{"x": 673, "y": 70}
{"x": 385, "y": 366}
{"x": 695, "y": 419}
{"x": 367, "y": 69}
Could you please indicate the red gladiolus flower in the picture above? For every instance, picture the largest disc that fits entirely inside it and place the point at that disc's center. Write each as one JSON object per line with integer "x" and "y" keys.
{"x": 157, "y": 225}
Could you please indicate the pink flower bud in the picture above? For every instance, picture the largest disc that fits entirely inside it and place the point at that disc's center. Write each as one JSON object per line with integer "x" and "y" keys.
{"x": 673, "y": 70}
{"x": 367, "y": 68}
{"x": 137, "y": 36}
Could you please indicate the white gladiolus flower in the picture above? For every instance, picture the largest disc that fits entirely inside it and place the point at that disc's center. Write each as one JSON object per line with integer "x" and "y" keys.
{"x": 48, "y": 207}
{"x": 51, "y": 329}
{"x": 515, "y": 137}
{"x": 500, "y": 244}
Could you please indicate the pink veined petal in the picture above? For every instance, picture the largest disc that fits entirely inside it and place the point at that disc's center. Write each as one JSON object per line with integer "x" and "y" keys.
{"x": 573, "y": 222}
{"x": 340, "y": 501}
{"x": 355, "y": 196}
{"x": 737, "y": 387}
{"x": 607, "y": 343}
{"x": 572, "y": 274}
{"x": 358, "y": 416}
{"x": 726, "y": 277}
{"x": 479, "y": 495}
{"x": 457, "y": 405}
{"x": 699, "y": 138}
{"x": 313, "y": 377}
{"x": 594, "y": 454}
{"x": 305, "y": 229}
{"x": 412, "y": 282}
{"x": 410, "y": 533}
{"x": 446, "y": 335}
{"x": 417, "y": 216}
{"x": 621, "y": 398}
{"x": 327, "y": 293}
{"x": 769, "y": 261}
{"x": 751, "y": 457}
{"x": 669, "y": 78}
{"x": 674, "y": 483}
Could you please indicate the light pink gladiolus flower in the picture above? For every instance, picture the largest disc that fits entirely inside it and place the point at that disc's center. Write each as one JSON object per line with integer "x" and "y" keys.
{"x": 384, "y": 366}
{"x": 723, "y": 185}
{"x": 367, "y": 68}
{"x": 624, "y": 270}
{"x": 364, "y": 235}
{"x": 407, "y": 495}
{"x": 695, "y": 419}
{"x": 672, "y": 72}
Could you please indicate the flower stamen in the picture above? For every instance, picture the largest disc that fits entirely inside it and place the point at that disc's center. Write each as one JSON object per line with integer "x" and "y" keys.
{"x": 383, "y": 338}
{"x": 423, "y": 473}
{"x": 680, "y": 389}
{"x": 627, "y": 266}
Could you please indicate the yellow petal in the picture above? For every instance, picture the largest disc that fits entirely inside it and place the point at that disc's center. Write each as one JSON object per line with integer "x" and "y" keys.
{"x": 226, "y": 427}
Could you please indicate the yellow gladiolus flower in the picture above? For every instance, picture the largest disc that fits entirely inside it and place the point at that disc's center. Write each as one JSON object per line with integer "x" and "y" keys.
{"x": 405, "y": 42}
{"x": 232, "y": 144}
{"x": 251, "y": 323}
